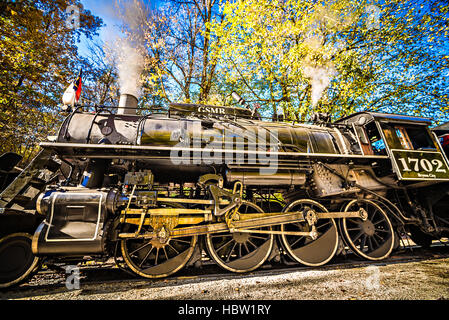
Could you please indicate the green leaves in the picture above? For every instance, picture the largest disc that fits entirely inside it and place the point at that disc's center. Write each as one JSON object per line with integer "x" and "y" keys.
{"x": 38, "y": 57}
{"x": 337, "y": 56}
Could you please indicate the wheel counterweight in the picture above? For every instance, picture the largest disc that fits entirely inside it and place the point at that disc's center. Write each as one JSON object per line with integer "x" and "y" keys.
{"x": 156, "y": 259}
{"x": 240, "y": 252}
{"x": 304, "y": 249}
{"x": 372, "y": 239}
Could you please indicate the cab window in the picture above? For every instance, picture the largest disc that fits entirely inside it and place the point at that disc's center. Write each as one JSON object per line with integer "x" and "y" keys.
{"x": 370, "y": 140}
{"x": 407, "y": 137}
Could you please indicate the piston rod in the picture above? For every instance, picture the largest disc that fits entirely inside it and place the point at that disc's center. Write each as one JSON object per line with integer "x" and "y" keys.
{"x": 244, "y": 224}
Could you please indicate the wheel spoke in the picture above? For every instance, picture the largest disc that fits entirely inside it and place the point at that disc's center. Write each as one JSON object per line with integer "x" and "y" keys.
{"x": 323, "y": 225}
{"x": 258, "y": 237}
{"x": 140, "y": 248}
{"x": 246, "y": 247}
{"x": 230, "y": 252}
{"x": 377, "y": 245}
{"x": 370, "y": 244}
{"x": 375, "y": 242}
{"x": 305, "y": 250}
{"x": 374, "y": 214}
{"x": 352, "y": 220}
{"x": 227, "y": 250}
{"x": 381, "y": 220}
{"x": 146, "y": 257}
{"x": 177, "y": 252}
{"x": 380, "y": 238}
{"x": 224, "y": 245}
{"x": 252, "y": 244}
{"x": 157, "y": 255}
{"x": 165, "y": 252}
{"x": 182, "y": 241}
{"x": 357, "y": 236}
{"x": 172, "y": 255}
{"x": 362, "y": 246}
{"x": 297, "y": 240}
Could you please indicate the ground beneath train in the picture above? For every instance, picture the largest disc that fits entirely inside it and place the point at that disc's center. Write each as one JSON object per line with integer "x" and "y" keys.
{"x": 421, "y": 274}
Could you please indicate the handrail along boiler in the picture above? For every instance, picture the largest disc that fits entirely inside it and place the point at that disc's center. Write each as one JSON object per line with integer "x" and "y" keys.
{"x": 358, "y": 182}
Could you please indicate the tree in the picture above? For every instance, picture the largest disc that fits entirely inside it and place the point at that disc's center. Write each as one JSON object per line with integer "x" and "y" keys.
{"x": 335, "y": 56}
{"x": 176, "y": 39}
{"x": 38, "y": 54}
{"x": 100, "y": 75}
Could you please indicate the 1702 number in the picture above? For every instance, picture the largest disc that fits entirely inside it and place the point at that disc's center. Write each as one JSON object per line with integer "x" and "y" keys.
{"x": 417, "y": 165}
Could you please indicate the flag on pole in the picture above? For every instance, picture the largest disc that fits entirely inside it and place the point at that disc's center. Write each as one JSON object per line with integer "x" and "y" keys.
{"x": 73, "y": 92}
{"x": 78, "y": 86}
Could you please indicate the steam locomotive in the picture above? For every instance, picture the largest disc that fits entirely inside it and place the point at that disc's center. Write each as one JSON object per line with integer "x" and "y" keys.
{"x": 155, "y": 191}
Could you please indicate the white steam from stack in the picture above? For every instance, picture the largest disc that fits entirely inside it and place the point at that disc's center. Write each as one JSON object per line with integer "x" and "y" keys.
{"x": 130, "y": 66}
{"x": 320, "y": 78}
{"x": 321, "y": 73}
{"x": 130, "y": 56}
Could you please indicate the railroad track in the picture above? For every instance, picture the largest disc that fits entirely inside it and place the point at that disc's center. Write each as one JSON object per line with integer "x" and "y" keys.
{"x": 108, "y": 273}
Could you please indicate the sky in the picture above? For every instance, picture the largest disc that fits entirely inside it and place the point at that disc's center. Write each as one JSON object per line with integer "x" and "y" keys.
{"x": 105, "y": 9}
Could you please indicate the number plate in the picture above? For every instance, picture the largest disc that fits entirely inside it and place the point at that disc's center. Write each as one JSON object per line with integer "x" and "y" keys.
{"x": 420, "y": 165}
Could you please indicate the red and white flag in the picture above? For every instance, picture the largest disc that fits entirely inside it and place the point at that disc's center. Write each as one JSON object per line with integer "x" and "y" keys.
{"x": 73, "y": 92}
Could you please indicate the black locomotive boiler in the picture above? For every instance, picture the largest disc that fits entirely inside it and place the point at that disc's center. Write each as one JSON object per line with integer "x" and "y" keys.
{"x": 154, "y": 191}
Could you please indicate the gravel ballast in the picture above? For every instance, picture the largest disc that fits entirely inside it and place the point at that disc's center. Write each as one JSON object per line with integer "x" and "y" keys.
{"x": 428, "y": 279}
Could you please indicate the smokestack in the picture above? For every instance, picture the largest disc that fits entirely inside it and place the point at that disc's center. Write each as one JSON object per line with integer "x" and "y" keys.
{"x": 127, "y": 104}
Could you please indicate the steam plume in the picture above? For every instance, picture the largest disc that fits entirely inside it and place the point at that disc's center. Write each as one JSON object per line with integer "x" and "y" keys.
{"x": 129, "y": 50}
{"x": 319, "y": 80}
{"x": 130, "y": 66}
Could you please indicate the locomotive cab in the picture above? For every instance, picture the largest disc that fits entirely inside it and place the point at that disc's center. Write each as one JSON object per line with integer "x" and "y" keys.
{"x": 415, "y": 152}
